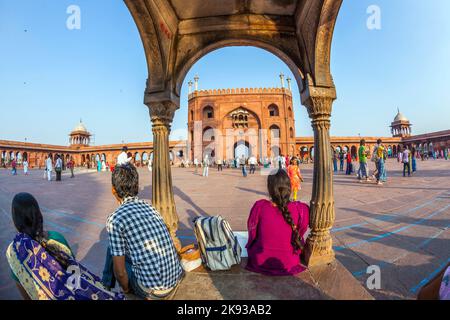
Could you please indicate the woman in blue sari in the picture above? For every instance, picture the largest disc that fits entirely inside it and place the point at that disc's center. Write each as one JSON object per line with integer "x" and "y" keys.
{"x": 42, "y": 263}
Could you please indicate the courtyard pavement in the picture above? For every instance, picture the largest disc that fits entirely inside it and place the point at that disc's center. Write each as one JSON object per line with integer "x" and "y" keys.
{"x": 402, "y": 226}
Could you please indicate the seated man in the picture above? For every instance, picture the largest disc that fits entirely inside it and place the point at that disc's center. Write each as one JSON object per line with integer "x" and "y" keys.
{"x": 141, "y": 253}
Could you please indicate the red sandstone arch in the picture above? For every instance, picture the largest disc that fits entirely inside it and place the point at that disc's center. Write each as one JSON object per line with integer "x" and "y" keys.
{"x": 275, "y": 131}
{"x": 208, "y": 113}
{"x": 292, "y": 62}
{"x": 273, "y": 110}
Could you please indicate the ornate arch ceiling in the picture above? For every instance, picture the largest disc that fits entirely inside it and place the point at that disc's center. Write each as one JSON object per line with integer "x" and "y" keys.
{"x": 176, "y": 33}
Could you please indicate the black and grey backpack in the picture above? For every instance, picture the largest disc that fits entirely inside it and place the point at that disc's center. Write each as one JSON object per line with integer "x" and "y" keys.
{"x": 218, "y": 245}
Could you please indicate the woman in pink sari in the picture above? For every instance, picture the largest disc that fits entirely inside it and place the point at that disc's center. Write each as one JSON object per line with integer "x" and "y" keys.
{"x": 276, "y": 228}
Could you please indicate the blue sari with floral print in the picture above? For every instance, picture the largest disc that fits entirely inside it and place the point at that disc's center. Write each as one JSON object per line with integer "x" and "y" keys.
{"x": 43, "y": 278}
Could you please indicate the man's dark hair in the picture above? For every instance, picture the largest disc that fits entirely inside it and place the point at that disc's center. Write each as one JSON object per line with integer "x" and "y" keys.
{"x": 125, "y": 180}
{"x": 379, "y": 141}
{"x": 362, "y": 141}
{"x": 124, "y": 148}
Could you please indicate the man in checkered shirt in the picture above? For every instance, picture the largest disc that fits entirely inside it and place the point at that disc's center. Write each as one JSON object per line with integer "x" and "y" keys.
{"x": 141, "y": 254}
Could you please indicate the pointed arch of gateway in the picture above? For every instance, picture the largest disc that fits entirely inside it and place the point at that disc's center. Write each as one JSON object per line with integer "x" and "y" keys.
{"x": 299, "y": 32}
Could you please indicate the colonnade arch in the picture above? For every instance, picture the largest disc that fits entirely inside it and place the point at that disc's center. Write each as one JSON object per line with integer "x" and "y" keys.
{"x": 304, "y": 47}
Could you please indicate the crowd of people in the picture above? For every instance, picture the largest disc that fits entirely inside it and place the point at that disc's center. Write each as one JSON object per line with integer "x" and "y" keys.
{"x": 378, "y": 156}
{"x": 153, "y": 271}
{"x": 57, "y": 166}
{"x": 141, "y": 256}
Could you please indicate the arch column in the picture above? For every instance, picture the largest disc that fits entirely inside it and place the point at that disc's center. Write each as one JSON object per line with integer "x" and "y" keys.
{"x": 319, "y": 246}
{"x": 161, "y": 115}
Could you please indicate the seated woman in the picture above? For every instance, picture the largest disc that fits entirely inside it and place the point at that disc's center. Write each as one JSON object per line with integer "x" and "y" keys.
{"x": 42, "y": 263}
{"x": 276, "y": 229}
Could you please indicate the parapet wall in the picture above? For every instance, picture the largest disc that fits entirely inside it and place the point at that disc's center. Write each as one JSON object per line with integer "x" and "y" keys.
{"x": 218, "y": 92}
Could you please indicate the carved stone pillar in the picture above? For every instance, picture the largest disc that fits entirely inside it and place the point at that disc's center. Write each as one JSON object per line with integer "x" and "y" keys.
{"x": 161, "y": 114}
{"x": 319, "y": 248}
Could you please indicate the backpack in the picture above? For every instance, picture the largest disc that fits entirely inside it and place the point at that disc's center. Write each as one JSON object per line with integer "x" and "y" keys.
{"x": 218, "y": 245}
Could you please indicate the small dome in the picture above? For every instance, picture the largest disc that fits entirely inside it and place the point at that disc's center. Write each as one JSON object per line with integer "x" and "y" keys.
{"x": 80, "y": 127}
{"x": 400, "y": 117}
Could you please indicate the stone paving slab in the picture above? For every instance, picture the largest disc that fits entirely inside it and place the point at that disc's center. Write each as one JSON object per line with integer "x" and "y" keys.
{"x": 78, "y": 208}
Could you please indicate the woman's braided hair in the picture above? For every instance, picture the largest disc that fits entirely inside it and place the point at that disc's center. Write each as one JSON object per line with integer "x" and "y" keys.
{"x": 279, "y": 186}
{"x": 28, "y": 219}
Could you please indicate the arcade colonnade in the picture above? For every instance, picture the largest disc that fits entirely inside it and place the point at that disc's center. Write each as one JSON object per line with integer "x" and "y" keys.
{"x": 79, "y": 140}
{"x": 305, "y": 145}
{"x": 84, "y": 156}
{"x": 176, "y": 35}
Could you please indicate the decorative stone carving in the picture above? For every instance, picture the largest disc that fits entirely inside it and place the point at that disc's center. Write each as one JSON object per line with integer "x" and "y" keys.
{"x": 161, "y": 114}
{"x": 319, "y": 248}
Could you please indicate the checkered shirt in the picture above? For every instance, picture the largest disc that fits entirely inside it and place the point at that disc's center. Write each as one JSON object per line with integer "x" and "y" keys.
{"x": 137, "y": 230}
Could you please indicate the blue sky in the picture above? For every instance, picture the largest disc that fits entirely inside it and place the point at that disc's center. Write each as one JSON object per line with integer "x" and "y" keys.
{"x": 51, "y": 76}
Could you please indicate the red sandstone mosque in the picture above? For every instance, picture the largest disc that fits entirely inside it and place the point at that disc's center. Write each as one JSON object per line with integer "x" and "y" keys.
{"x": 224, "y": 124}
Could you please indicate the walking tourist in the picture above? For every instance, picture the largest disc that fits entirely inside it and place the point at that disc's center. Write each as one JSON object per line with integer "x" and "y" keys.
{"x": 71, "y": 166}
{"x": 14, "y": 167}
{"x": 99, "y": 165}
{"x": 341, "y": 161}
{"x": 380, "y": 157}
{"x": 287, "y": 160}
{"x": 123, "y": 156}
{"x": 349, "y": 169}
{"x": 149, "y": 165}
{"x": 49, "y": 167}
{"x": 205, "y": 165}
{"x": 196, "y": 165}
{"x": 413, "y": 160}
{"x": 295, "y": 177}
{"x": 280, "y": 161}
{"x": 363, "y": 153}
{"x": 275, "y": 230}
{"x": 141, "y": 254}
{"x": 406, "y": 163}
{"x": 335, "y": 160}
{"x": 39, "y": 259}
{"x": 219, "y": 164}
{"x": 252, "y": 161}
{"x": 243, "y": 167}
{"x": 25, "y": 167}
{"x": 58, "y": 167}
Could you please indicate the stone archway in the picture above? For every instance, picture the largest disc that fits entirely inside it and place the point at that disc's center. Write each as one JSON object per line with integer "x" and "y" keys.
{"x": 300, "y": 32}
{"x": 242, "y": 148}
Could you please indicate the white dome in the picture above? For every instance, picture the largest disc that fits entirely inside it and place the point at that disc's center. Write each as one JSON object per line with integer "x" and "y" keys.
{"x": 80, "y": 127}
{"x": 400, "y": 117}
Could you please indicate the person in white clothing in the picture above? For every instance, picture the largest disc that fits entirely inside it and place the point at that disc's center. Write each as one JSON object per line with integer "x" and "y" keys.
{"x": 123, "y": 157}
{"x": 196, "y": 165}
{"x": 49, "y": 167}
{"x": 406, "y": 165}
{"x": 252, "y": 161}
{"x": 205, "y": 166}
{"x": 25, "y": 167}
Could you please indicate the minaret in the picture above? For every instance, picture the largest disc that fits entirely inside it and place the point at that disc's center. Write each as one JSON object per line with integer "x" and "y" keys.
{"x": 196, "y": 82}
{"x": 190, "y": 86}
{"x": 289, "y": 83}
{"x": 282, "y": 80}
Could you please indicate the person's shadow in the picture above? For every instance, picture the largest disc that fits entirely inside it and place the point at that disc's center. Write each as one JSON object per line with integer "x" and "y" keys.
{"x": 94, "y": 260}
